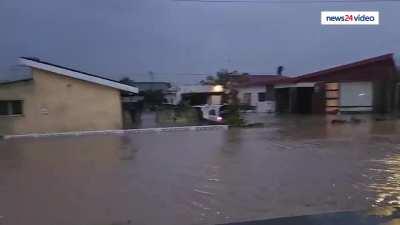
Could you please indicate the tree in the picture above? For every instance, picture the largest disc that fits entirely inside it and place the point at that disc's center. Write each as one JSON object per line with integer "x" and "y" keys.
{"x": 153, "y": 98}
{"x": 222, "y": 77}
{"x": 227, "y": 80}
{"x": 127, "y": 81}
{"x": 279, "y": 70}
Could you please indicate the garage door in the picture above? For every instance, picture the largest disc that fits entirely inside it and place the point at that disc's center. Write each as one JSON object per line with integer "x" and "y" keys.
{"x": 356, "y": 96}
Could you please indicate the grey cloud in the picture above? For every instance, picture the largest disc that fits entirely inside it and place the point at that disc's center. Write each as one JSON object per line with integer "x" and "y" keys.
{"x": 124, "y": 37}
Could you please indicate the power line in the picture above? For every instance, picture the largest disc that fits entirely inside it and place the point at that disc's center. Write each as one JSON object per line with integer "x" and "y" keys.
{"x": 169, "y": 74}
{"x": 285, "y": 1}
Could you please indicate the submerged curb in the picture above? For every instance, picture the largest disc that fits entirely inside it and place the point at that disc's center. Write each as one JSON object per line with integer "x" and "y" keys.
{"x": 130, "y": 131}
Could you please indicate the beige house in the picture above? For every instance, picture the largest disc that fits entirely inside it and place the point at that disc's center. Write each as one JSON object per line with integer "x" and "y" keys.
{"x": 59, "y": 99}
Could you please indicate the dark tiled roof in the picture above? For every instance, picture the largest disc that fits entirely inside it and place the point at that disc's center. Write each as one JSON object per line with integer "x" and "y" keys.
{"x": 260, "y": 80}
{"x": 357, "y": 71}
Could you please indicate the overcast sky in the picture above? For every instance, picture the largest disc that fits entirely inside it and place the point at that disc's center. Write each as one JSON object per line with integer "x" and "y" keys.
{"x": 177, "y": 39}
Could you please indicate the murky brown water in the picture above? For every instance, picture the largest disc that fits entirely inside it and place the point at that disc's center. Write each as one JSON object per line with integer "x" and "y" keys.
{"x": 293, "y": 166}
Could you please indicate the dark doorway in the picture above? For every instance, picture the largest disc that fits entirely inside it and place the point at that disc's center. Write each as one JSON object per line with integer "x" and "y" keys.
{"x": 195, "y": 98}
{"x": 303, "y": 103}
{"x": 282, "y": 100}
{"x": 396, "y": 99}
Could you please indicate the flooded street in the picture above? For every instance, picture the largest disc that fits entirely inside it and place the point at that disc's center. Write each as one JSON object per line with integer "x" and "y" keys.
{"x": 292, "y": 166}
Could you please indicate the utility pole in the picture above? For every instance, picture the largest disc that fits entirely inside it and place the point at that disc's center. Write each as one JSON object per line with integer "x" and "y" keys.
{"x": 151, "y": 75}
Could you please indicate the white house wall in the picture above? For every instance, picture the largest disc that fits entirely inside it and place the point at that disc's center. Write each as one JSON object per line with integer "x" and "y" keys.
{"x": 266, "y": 106}
{"x": 254, "y": 94}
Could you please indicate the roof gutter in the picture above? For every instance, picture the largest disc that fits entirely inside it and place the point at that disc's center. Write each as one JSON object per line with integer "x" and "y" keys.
{"x": 77, "y": 75}
{"x": 295, "y": 85}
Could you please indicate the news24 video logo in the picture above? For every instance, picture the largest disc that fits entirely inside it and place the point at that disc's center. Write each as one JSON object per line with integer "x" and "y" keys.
{"x": 350, "y": 18}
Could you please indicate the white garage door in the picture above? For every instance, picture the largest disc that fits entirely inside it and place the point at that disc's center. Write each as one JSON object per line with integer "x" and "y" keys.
{"x": 356, "y": 96}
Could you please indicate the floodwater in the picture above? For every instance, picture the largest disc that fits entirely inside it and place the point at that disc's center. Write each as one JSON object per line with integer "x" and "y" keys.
{"x": 293, "y": 166}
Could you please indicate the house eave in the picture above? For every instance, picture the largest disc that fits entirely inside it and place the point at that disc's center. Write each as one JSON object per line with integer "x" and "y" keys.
{"x": 77, "y": 75}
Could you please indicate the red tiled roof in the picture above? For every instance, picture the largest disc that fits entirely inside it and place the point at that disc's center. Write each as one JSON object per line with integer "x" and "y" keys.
{"x": 357, "y": 71}
{"x": 376, "y": 68}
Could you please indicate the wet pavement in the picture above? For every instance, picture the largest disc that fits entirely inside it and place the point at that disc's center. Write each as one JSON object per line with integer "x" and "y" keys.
{"x": 293, "y": 166}
{"x": 337, "y": 218}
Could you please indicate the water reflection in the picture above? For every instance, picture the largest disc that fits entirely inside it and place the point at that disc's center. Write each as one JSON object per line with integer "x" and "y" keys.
{"x": 232, "y": 142}
{"x": 393, "y": 222}
{"x": 128, "y": 149}
{"x": 386, "y": 183}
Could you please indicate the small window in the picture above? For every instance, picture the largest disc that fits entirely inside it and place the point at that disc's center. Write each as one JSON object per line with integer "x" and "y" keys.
{"x": 3, "y": 108}
{"x": 332, "y": 94}
{"x": 332, "y": 86}
{"x": 261, "y": 96}
{"x": 8, "y": 108}
{"x": 332, "y": 103}
{"x": 246, "y": 98}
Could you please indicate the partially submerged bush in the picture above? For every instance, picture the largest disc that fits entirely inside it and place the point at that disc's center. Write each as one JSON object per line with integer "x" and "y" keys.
{"x": 232, "y": 116}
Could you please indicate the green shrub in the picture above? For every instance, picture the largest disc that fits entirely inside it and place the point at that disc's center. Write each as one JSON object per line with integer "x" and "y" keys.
{"x": 233, "y": 117}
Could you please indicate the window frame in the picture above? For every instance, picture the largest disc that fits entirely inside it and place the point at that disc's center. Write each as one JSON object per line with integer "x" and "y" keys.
{"x": 264, "y": 99}
{"x": 10, "y": 107}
